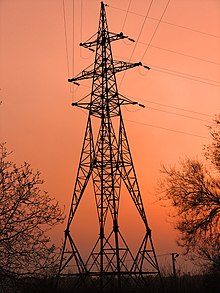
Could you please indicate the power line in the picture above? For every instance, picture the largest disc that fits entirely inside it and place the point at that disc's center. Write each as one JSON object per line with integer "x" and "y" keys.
{"x": 186, "y": 76}
{"x": 179, "y": 53}
{"x": 193, "y": 77}
{"x": 156, "y": 68}
{"x": 142, "y": 27}
{"x": 173, "y": 113}
{"x": 164, "y": 70}
{"x": 73, "y": 58}
{"x": 167, "y": 129}
{"x": 164, "y": 254}
{"x": 184, "y": 27}
{"x": 164, "y": 105}
{"x": 71, "y": 87}
{"x": 177, "y": 114}
{"x": 190, "y": 75}
{"x": 168, "y": 2}
{"x": 81, "y": 20}
{"x": 66, "y": 40}
{"x": 126, "y": 15}
{"x": 66, "y": 47}
{"x": 174, "y": 107}
{"x": 81, "y": 32}
{"x": 181, "y": 74}
{"x": 166, "y": 22}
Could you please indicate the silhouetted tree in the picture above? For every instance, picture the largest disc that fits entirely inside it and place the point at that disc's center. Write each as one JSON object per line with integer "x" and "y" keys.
{"x": 26, "y": 215}
{"x": 212, "y": 151}
{"x": 194, "y": 192}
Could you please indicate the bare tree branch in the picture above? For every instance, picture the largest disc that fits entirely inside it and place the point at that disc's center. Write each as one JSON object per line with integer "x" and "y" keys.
{"x": 194, "y": 192}
{"x": 26, "y": 214}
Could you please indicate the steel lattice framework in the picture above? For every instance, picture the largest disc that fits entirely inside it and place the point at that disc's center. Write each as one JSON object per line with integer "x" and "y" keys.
{"x": 106, "y": 160}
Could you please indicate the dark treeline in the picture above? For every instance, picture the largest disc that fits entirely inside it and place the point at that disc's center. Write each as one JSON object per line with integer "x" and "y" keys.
{"x": 184, "y": 284}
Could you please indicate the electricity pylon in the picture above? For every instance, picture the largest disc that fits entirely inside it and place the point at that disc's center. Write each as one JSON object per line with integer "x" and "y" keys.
{"x": 106, "y": 160}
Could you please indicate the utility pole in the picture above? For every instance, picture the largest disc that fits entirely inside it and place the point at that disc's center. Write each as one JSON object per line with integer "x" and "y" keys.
{"x": 174, "y": 255}
{"x": 106, "y": 160}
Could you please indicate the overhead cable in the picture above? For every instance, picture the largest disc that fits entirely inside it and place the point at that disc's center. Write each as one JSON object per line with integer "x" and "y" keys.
{"x": 142, "y": 27}
{"x": 179, "y": 53}
{"x": 126, "y": 15}
{"x": 73, "y": 58}
{"x": 185, "y": 75}
{"x": 174, "y": 107}
{"x": 170, "y": 23}
{"x": 164, "y": 105}
{"x": 66, "y": 40}
{"x": 168, "y": 129}
{"x": 178, "y": 114}
{"x": 154, "y": 33}
{"x": 181, "y": 74}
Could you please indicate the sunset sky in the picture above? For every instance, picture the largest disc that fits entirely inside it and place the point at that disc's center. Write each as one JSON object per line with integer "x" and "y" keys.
{"x": 39, "y": 51}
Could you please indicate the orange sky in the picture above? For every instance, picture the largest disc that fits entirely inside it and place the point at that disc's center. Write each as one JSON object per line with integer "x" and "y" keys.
{"x": 39, "y": 124}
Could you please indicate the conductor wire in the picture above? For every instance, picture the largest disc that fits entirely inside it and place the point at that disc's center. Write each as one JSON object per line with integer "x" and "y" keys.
{"x": 66, "y": 41}
{"x": 145, "y": 18}
{"x": 126, "y": 15}
{"x": 73, "y": 65}
{"x": 156, "y": 29}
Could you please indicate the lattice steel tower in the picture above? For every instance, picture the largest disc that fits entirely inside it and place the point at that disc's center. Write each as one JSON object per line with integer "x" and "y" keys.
{"x": 106, "y": 160}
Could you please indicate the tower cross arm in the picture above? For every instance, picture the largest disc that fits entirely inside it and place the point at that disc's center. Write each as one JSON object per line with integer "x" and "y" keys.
{"x": 122, "y": 65}
{"x": 89, "y": 72}
{"x": 111, "y": 37}
{"x": 120, "y": 36}
{"x": 85, "y": 74}
{"x": 126, "y": 101}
